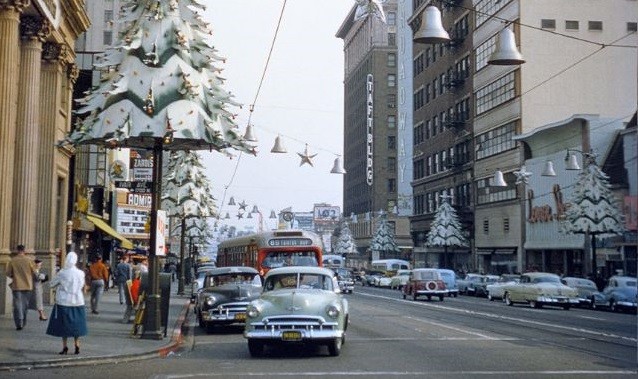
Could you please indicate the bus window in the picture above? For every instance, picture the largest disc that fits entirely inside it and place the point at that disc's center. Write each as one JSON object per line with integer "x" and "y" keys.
{"x": 276, "y": 259}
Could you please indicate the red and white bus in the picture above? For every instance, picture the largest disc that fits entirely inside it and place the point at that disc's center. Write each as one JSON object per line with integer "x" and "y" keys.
{"x": 272, "y": 249}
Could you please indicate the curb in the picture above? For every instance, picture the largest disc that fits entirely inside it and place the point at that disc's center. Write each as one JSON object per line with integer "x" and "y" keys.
{"x": 164, "y": 351}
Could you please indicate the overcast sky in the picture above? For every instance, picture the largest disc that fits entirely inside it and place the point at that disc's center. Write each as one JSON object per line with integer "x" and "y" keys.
{"x": 301, "y": 99}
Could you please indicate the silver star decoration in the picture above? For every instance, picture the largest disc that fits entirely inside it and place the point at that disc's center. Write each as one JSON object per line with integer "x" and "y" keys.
{"x": 240, "y": 215}
{"x": 306, "y": 157}
{"x": 242, "y": 205}
{"x": 522, "y": 176}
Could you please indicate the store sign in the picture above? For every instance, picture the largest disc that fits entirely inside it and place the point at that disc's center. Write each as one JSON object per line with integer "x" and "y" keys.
{"x": 327, "y": 212}
{"x": 545, "y": 212}
{"x": 142, "y": 165}
{"x": 369, "y": 125}
{"x": 139, "y": 200}
{"x": 160, "y": 234}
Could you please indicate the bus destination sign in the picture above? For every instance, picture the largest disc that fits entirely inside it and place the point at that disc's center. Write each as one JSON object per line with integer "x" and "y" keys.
{"x": 290, "y": 242}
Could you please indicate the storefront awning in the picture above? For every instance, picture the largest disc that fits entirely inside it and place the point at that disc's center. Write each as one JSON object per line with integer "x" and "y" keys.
{"x": 106, "y": 228}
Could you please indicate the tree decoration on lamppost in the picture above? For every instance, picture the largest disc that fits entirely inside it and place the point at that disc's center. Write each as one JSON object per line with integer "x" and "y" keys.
{"x": 345, "y": 243}
{"x": 445, "y": 229}
{"x": 160, "y": 90}
{"x": 592, "y": 208}
{"x": 187, "y": 196}
{"x": 383, "y": 238}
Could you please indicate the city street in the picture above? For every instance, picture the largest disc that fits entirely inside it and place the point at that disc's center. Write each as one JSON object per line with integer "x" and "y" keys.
{"x": 391, "y": 337}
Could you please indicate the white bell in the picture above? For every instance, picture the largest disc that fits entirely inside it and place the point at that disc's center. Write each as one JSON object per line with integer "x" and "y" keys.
{"x": 571, "y": 162}
{"x": 279, "y": 147}
{"x": 337, "y": 168}
{"x": 250, "y": 215}
{"x": 498, "y": 180}
{"x": 506, "y": 52}
{"x": 272, "y": 214}
{"x": 250, "y": 135}
{"x": 227, "y": 215}
{"x": 548, "y": 170}
{"x": 255, "y": 209}
{"x": 231, "y": 201}
{"x": 431, "y": 30}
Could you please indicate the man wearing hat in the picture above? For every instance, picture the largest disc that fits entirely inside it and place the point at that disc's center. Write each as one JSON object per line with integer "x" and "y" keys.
{"x": 99, "y": 274}
{"x": 21, "y": 270}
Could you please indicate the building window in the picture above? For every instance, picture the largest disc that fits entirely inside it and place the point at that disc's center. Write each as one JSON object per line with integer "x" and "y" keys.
{"x": 486, "y": 193}
{"x": 496, "y": 93}
{"x": 418, "y": 204}
{"x": 419, "y": 169}
{"x": 392, "y": 185}
{"x": 392, "y": 142}
{"x": 392, "y": 39}
{"x": 485, "y": 9}
{"x": 632, "y": 26}
{"x": 548, "y": 24}
{"x": 435, "y": 88}
{"x": 496, "y": 141}
{"x": 108, "y": 16}
{"x": 418, "y": 134}
{"x": 418, "y": 99}
{"x": 392, "y": 121}
{"x": 428, "y": 57}
{"x": 392, "y": 60}
{"x": 571, "y": 25}
{"x": 435, "y": 125}
{"x": 391, "y": 18}
{"x": 486, "y": 226}
{"x": 428, "y": 93}
{"x": 429, "y": 170}
{"x": 484, "y": 51}
{"x": 418, "y": 65}
{"x": 595, "y": 25}
{"x": 392, "y": 164}
{"x": 428, "y": 129}
{"x": 392, "y": 101}
{"x": 392, "y": 80}
{"x": 506, "y": 225}
{"x": 107, "y": 38}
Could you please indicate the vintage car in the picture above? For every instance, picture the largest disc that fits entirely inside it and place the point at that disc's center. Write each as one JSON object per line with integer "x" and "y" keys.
{"x": 588, "y": 295}
{"x": 495, "y": 291}
{"x": 466, "y": 284}
{"x": 400, "y": 279}
{"x": 345, "y": 280}
{"x": 426, "y": 282}
{"x": 620, "y": 293}
{"x": 480, "y": 287}
{"x": 298, "y": 305}
{"x": 540, "y": 288}
{"x": 225, "y": 294}
{"x": 382, "y": 281}
{"x": 450, "y": 278}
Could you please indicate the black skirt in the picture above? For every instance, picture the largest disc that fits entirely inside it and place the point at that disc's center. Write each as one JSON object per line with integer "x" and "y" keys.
{"x": 67, "y": 321}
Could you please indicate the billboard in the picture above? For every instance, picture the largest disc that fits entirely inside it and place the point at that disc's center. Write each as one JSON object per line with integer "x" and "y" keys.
{"x": 326, "y": 213}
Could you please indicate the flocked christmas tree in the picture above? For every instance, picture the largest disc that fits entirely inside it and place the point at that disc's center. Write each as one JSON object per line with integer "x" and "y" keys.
{"x": 345, "y": 243}
{"x": 593, "y": 209}
{"x": 383, "y": 238}
{"x": 445, "y": 229}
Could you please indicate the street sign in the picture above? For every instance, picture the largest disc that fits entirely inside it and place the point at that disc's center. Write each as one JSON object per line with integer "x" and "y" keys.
{"x": 135, "y": 187}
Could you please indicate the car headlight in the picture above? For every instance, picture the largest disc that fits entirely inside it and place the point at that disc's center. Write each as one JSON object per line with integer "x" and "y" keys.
{"x": 252, "y": 311}
{"x": 333, "y": 311}
{"x": 210, "y": 300}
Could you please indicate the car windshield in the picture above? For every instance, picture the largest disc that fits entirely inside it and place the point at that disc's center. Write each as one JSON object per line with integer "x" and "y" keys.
{"x": 232, "y": 278}
{"x": 276, "y": 259}
{"x": 546, "y": 279}
{"x": 298, "y": 280}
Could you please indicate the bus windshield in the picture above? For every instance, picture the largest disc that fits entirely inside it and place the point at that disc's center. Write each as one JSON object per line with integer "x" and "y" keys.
{"x": 276, "y": 259}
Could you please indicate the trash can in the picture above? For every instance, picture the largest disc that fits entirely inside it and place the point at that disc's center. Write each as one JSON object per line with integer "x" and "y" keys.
{"x": 165, "y": 295}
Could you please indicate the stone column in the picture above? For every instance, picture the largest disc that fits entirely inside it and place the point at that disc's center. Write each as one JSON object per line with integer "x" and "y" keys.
{"x": 9, "y": 62}
{"x": 33, "y": 30}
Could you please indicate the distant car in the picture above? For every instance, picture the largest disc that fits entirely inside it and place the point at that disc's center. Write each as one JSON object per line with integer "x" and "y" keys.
{"x": 541, "y": 288}
{"x": 370, "y": 276}
{"x": 480, "y": 287}
{"x": 345, "y": 280}
{"x": 299, "y": 304}
{"x": 382, "y": 281}
{"x": 466, "y": 286}
{"x": 588, "y": 294}
{"x": 225, "y": 295}
{"x": 620, "y": 293}
{"x": 450, "y": 277}
{"x": 198, "y": 283}
{"x": 400, "y": 279}
{"x": 495, "y": 291}
{"x": 426, "y": 282}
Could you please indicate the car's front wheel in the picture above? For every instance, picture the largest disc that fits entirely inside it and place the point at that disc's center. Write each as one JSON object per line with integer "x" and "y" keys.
{"x": 612, "y": 306}
{"x": 334, "y": 347}
{"x": 508, "y": 299}
{"x": 255, "y": 348}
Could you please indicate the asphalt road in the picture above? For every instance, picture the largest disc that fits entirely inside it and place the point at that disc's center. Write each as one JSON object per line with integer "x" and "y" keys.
{"x": 389, "y": 337}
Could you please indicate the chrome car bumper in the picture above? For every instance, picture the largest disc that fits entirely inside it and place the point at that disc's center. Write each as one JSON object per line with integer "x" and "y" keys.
{"x": 234, "y": 312}
{"x": 557, "y": 300}
{"x": 293, "y": 328}
{"x": 626, "y": 304}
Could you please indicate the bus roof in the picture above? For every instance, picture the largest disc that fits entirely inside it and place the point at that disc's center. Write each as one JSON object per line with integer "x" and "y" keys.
{"x": 261, "y": 239}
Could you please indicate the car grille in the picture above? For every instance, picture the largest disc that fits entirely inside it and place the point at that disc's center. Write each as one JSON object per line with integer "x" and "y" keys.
{"x": 294, "y": 323}
{"x": 229, "y": 308}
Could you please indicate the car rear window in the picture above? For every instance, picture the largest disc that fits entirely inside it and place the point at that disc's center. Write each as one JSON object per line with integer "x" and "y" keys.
{"x": 425, "y": 275}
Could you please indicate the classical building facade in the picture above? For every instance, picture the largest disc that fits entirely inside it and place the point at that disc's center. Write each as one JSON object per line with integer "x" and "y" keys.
{"x": 37, "y": 75}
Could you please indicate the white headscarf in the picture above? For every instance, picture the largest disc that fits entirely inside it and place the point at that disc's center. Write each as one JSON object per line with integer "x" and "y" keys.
{"x": 69, "y": 283}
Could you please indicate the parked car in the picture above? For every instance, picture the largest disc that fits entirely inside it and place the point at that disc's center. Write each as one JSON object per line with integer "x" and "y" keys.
{"x": 299, "y": 304}
{"x": 450, "y": 278}
{"x": 225, "y": 295}
{"x": 426, "y": 282}
{"x": 480, "y": 287}
{"x": 466, "y": 284}
{"x": 370, "y": 276}
{"x": 620, "y": 293}
{"x": 345, "y": 280}
{"x": 588, "y": 294}
{"x": 399, "y": 280}
{"x": 198, "y": 283}
{"x": 495, "y": 291}
{"x": 382, "y": 281}
{"x": 540, "y": 288}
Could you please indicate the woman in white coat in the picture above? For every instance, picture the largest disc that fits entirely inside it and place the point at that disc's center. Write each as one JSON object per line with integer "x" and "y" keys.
{"x": 68, "y": 318}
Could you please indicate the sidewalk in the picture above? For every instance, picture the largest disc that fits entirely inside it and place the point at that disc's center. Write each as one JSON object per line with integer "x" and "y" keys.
{"x": 109, "y": 340}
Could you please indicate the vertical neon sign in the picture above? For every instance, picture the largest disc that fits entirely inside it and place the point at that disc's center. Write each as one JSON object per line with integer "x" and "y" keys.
{"x": 369, "y": 124}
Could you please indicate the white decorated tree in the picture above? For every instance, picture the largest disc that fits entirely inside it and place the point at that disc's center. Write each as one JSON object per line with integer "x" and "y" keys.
{"x": 446, "y": 229}
{"x": 592, "y": 208}
{"x": 383, "y": 238}
{"x": 345, "y": 243}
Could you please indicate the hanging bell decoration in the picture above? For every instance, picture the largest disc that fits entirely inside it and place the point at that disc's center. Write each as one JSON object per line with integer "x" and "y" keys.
{"x": 498, "y": 180}
{"x": 431, "y": 30}
{"x": 250, "y": 135}
{"x": 250, "y": 215}
{"x": 255, "y": 209}
{"x": 227, "y": 216}
{"x": 548, "y": 169}
{"x": 571, "y": 162}
{"x": 279, "y": 147}
{"x": 337, "y": 168}
{"x": 231, "y": 201}
{"x": 506, "y": 53}
{"x": 272, "y": 214}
